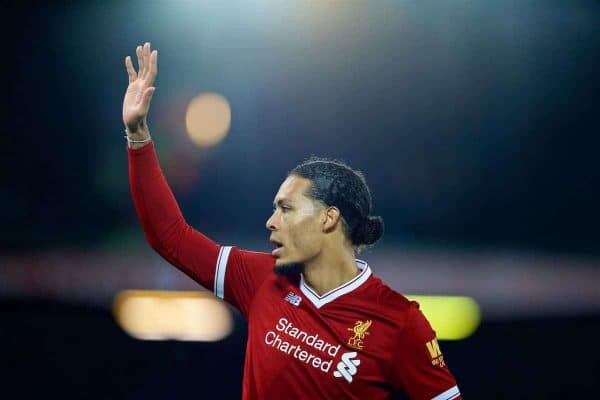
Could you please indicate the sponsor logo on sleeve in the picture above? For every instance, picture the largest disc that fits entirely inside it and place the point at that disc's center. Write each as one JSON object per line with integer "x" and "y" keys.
{"x": 437, "y": 358}
{"x": 360, "y": 331}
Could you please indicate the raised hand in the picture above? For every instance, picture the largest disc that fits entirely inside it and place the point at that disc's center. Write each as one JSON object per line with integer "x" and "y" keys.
{"x": 136, "y": 103}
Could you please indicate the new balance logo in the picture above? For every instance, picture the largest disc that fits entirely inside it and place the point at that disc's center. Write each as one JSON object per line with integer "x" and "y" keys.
{"x": 347, "y": 367}
{"x": 293, "y": 298}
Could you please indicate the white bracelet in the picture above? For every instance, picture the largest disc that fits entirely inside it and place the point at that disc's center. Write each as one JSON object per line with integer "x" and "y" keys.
{"x": 136, "y": 141}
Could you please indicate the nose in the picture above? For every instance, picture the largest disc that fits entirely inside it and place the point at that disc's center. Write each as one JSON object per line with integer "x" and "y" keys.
{"x": 270, "y": 224}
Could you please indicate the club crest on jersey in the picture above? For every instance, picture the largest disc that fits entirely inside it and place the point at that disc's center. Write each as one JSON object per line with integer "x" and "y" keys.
{"x": 293, "y": 298}
{"x": 360, "y": 331}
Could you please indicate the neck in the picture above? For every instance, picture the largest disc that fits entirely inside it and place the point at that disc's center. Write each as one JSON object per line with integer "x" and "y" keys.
{"x": 330, "y": 270}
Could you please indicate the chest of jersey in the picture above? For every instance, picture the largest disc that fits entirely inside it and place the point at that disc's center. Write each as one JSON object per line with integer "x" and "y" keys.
{"x": 337, "y": 350}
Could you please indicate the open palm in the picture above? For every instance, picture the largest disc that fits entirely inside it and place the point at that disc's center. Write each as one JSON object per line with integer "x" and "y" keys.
{"x": 140, "y": 90}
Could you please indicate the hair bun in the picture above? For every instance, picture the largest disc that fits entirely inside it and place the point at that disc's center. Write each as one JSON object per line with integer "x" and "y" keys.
{"x": 372, "y": 230}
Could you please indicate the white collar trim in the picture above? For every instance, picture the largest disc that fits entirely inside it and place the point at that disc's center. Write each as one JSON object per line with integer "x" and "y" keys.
{"x": 320, "y": 301}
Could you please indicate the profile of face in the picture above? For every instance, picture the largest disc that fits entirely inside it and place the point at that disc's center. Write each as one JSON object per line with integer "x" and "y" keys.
{"x": 296, "y": 225}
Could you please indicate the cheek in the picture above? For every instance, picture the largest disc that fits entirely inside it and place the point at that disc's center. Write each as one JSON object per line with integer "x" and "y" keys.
{"x": 305, "y": 237}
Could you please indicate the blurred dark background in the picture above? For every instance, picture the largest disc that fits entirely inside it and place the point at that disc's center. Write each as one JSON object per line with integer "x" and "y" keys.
{"x": 475, "y": 123}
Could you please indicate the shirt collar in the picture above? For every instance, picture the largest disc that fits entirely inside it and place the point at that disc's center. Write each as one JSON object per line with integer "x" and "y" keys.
{"x": 354, "y": 283}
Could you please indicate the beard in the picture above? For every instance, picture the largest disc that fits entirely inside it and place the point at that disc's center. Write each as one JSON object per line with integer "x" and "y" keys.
{"x": 289, "y": 269}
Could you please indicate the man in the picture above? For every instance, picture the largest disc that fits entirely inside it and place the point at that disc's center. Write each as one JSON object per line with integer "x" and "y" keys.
{"x": 321, "y": 326}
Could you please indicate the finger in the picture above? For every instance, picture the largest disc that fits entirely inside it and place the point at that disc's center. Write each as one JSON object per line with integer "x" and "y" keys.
{"x": 153, "y": 67}
{"x": 140, "y": 60}
{"x": 130, "y": 70}
{"x": 146, "y": 54}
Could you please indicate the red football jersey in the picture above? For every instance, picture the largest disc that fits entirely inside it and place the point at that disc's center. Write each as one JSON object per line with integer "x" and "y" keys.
{"x": 361, "y": 340}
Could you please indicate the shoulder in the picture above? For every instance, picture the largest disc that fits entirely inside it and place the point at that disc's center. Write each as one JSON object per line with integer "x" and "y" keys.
{"x": 404, "y": 316}
{"x": 252, "y": 258}
{"x": 280, "y": 283}
{"x": 392, "y": 305}
{"x": 387, "y": 297}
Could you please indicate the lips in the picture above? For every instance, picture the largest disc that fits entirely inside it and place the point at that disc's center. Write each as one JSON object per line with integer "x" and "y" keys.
{"x": 278, "y": 248}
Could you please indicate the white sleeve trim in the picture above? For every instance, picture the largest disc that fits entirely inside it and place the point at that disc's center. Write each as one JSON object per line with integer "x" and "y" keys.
{"x": 220, "y": 271}
{"x": 449, "y": 394}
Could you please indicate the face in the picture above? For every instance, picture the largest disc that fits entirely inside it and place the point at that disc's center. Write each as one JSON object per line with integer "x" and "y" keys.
{"x": 295, "y": 225}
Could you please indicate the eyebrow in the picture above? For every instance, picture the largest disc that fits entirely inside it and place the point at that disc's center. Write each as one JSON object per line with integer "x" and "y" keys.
{"x": 280, "y": 201}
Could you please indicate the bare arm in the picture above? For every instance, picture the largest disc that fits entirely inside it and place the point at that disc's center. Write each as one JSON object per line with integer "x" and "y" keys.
{"x": 138, "y": 96}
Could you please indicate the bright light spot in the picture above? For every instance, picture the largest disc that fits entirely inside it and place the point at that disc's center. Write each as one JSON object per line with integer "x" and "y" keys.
{"x": 162, "y": 315}
{"x": 451, "y": 317}
{"x": 207, "y": 119}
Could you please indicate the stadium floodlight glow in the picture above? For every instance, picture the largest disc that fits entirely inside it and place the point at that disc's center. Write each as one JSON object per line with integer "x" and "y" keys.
{"x": 451, "y": 317}
{"x": 172, "y": 315}
{"x": 207, "y": 119}
{"x": 199, "y": 316}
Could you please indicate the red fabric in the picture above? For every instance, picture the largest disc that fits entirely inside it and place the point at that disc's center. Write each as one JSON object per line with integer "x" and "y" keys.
{"x": 177, "y": 242}
{"x": 295, "y": 349}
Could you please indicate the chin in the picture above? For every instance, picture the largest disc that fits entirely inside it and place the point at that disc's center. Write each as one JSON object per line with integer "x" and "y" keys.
{"x": 283, "y": 268}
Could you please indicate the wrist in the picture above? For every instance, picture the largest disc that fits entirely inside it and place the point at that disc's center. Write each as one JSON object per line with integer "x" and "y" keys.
{"x": 139, "y": 134}
{"x": 138, "y": 130}
{"x": 138, "y": 138}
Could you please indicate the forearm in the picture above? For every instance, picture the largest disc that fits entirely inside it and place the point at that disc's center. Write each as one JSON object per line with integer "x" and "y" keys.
{"x": 162, "y": 221}
{"x": 157, "y": 209}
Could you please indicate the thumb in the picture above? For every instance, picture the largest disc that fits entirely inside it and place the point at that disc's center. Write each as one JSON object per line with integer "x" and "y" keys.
{"x": 147, "y": 96}
{"x": 149, "y": 92}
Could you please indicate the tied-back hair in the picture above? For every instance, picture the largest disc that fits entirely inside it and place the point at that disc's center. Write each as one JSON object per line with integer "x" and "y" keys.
{"x": 334, "y": 183}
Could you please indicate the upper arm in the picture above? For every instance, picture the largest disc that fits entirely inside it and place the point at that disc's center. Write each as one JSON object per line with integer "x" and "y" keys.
{"x": 421, "y": 368}
{"x": 232, "y": 274}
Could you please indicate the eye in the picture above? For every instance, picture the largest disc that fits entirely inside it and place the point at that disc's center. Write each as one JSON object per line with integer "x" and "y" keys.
{"x": 284, "y": 208}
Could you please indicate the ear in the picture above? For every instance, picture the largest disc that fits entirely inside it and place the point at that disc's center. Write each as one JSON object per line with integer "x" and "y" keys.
{"x": 331, "y": 217}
